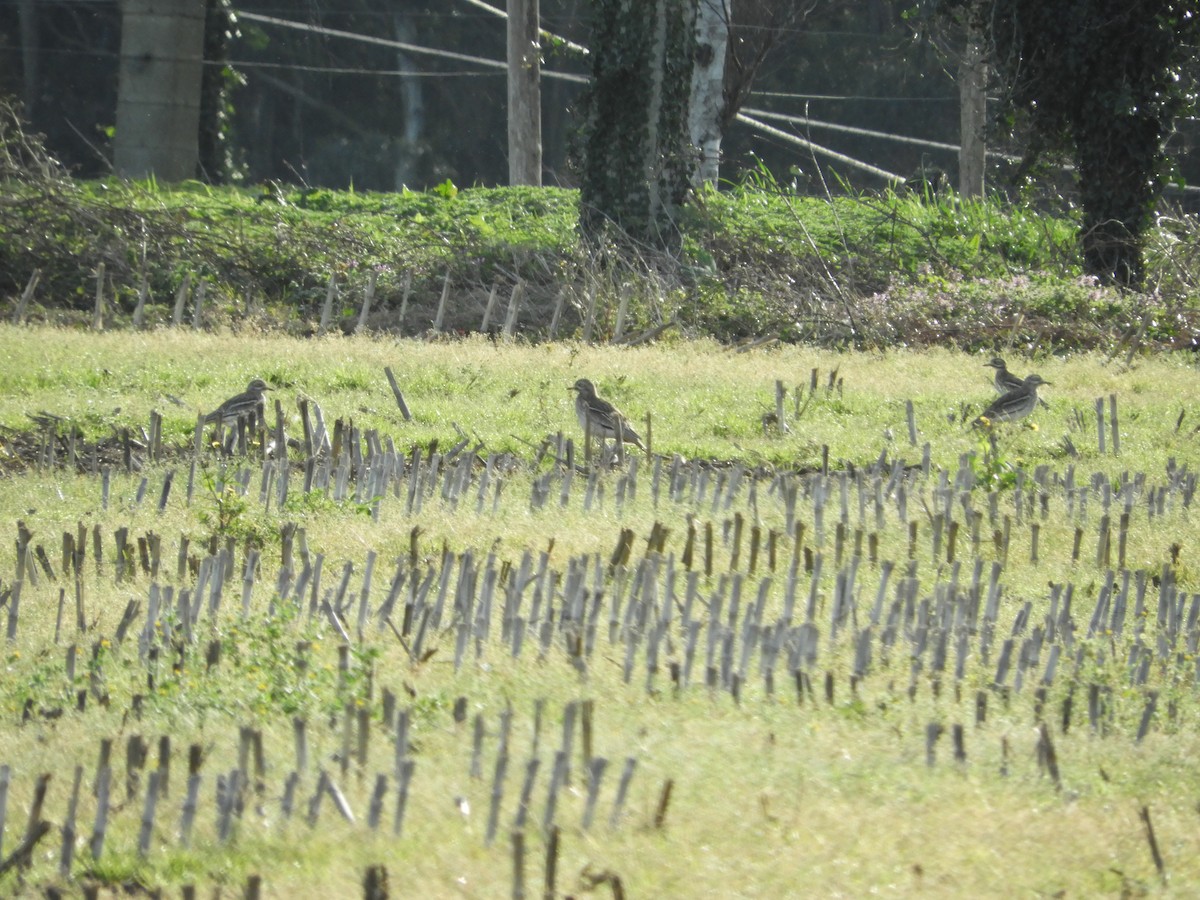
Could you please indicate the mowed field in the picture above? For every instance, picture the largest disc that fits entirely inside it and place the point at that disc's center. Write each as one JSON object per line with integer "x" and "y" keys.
{"x": 823, "y": 639}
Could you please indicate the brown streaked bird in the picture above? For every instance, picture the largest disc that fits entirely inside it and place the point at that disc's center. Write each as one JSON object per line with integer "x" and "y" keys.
{"x": 601, "y": 417}
{"x": 1016, "y": 404}
{"x": 248, "y": 402}
{"x": 1004, "y": 380}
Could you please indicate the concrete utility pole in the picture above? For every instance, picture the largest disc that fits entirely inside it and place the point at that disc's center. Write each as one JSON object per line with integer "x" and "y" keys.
{"x": 972, "y": 100}
{"x": 158, "y": 91}
{"x": 524, "y": 93}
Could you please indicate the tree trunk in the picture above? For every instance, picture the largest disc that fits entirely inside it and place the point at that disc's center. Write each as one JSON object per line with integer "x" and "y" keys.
{"x": 158, "y": 101}
{"x": 413, "y": 100}
{"x": 1117, "y": 194}
{"x": 707, "y": 108}
{"x": 972, "y": 98}
{"x": 30, "y": 56}
{"x": 524, "y": 94}
{"x": 216, "y": 161}
{"x": 637, "y": 155}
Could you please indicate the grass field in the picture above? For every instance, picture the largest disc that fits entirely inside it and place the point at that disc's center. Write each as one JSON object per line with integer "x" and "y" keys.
{"x": 830, "y": 657}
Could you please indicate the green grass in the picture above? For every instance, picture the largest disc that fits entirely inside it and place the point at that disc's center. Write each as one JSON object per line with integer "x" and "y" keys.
{"x": 755, "y": 259}
{"x": 770, "y": 796}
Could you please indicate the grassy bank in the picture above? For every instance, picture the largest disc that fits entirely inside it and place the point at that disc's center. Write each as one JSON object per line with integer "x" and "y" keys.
{"x": 754, "y": 260}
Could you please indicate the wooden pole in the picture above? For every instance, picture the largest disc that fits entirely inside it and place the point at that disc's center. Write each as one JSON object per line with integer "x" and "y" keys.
{"x": 972, "y": 85}
{"x": 524, "y": 94}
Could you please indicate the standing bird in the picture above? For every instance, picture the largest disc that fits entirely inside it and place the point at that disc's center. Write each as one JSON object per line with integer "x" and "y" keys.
{"x": 1005, "y": 380}
{"x": 600, "y": 417}
{"x": 244, "y": 405}
{"x": 1016, "y": 404}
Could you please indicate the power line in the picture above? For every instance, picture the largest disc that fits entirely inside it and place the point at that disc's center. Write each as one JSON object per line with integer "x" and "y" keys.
{"x": 783, "y": 95}
{"x": 496, "y": 64}
{"x": 369, "y": 39}
{"x": 339, "y": 70}
{"x": 744, "y": 117}
{"x": 400, "y": 45}
{"x": 866, "y": 132}
{"x": 806, "y": 122}
{"x": 817, "y": 148}
{"x": 502, "y": 14}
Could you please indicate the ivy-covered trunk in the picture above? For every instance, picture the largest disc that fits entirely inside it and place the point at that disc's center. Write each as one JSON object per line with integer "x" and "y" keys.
{"x": 1106, "y": 78}
{"x": 217, "y": 82}
{"x": 637, "y": 156}
{"x": 1117, "y": 192}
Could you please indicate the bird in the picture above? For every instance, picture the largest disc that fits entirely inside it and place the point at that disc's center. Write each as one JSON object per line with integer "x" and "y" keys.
{"x": 600, "y": 417}
{"x": 1015, "y": 404}
{"x": 1005, "y": 380}
{"x": 249, "y": 402}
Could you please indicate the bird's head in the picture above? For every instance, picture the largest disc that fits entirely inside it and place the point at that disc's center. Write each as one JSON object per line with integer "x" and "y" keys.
{"x": 584, "y": 387}
{"x": 996, "y": 363}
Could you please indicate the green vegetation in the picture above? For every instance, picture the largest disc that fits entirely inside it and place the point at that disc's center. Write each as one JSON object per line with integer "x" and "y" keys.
{"x": 838, "y": 774}
{"x": 851, "y": 271}
{"x": 757, "y": 259}
{"x": 845, "y": 647}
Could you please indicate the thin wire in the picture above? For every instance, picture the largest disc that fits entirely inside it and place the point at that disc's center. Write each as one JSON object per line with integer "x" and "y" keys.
{"x": 852, "y": 97}
{"x": 335, "y": 70}
{"x": 866, "y": 132}
{"x": 401, "y": 45}
{"x": 501, "y": 14}
{"x": 817, "y": 148}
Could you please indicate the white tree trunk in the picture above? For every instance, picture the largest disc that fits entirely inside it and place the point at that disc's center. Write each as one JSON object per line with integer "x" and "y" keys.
{"x": 158, "y": 91}
{"x": 708, "y": 80}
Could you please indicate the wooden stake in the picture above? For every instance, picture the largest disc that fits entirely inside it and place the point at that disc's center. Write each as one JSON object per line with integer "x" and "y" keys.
{"x": 441, "y": 310}
{"x": 327, "y": 309}
{"x": 491, "y": 305}
{"x": 98, "y": 314}
{"x": 367, "y": 299}
{"x": 589, "y": 321}
{"x": 1144, "y": 815}
{"x": 180, "y": 299}
{"x": 514, "y": 304}
{"x": 139, "y": 311}
{"x": 198, "y": 310}
{"x": 26, "y": 295}
{"x": 407, "y": 292}
{"x": 404, "y": 411}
